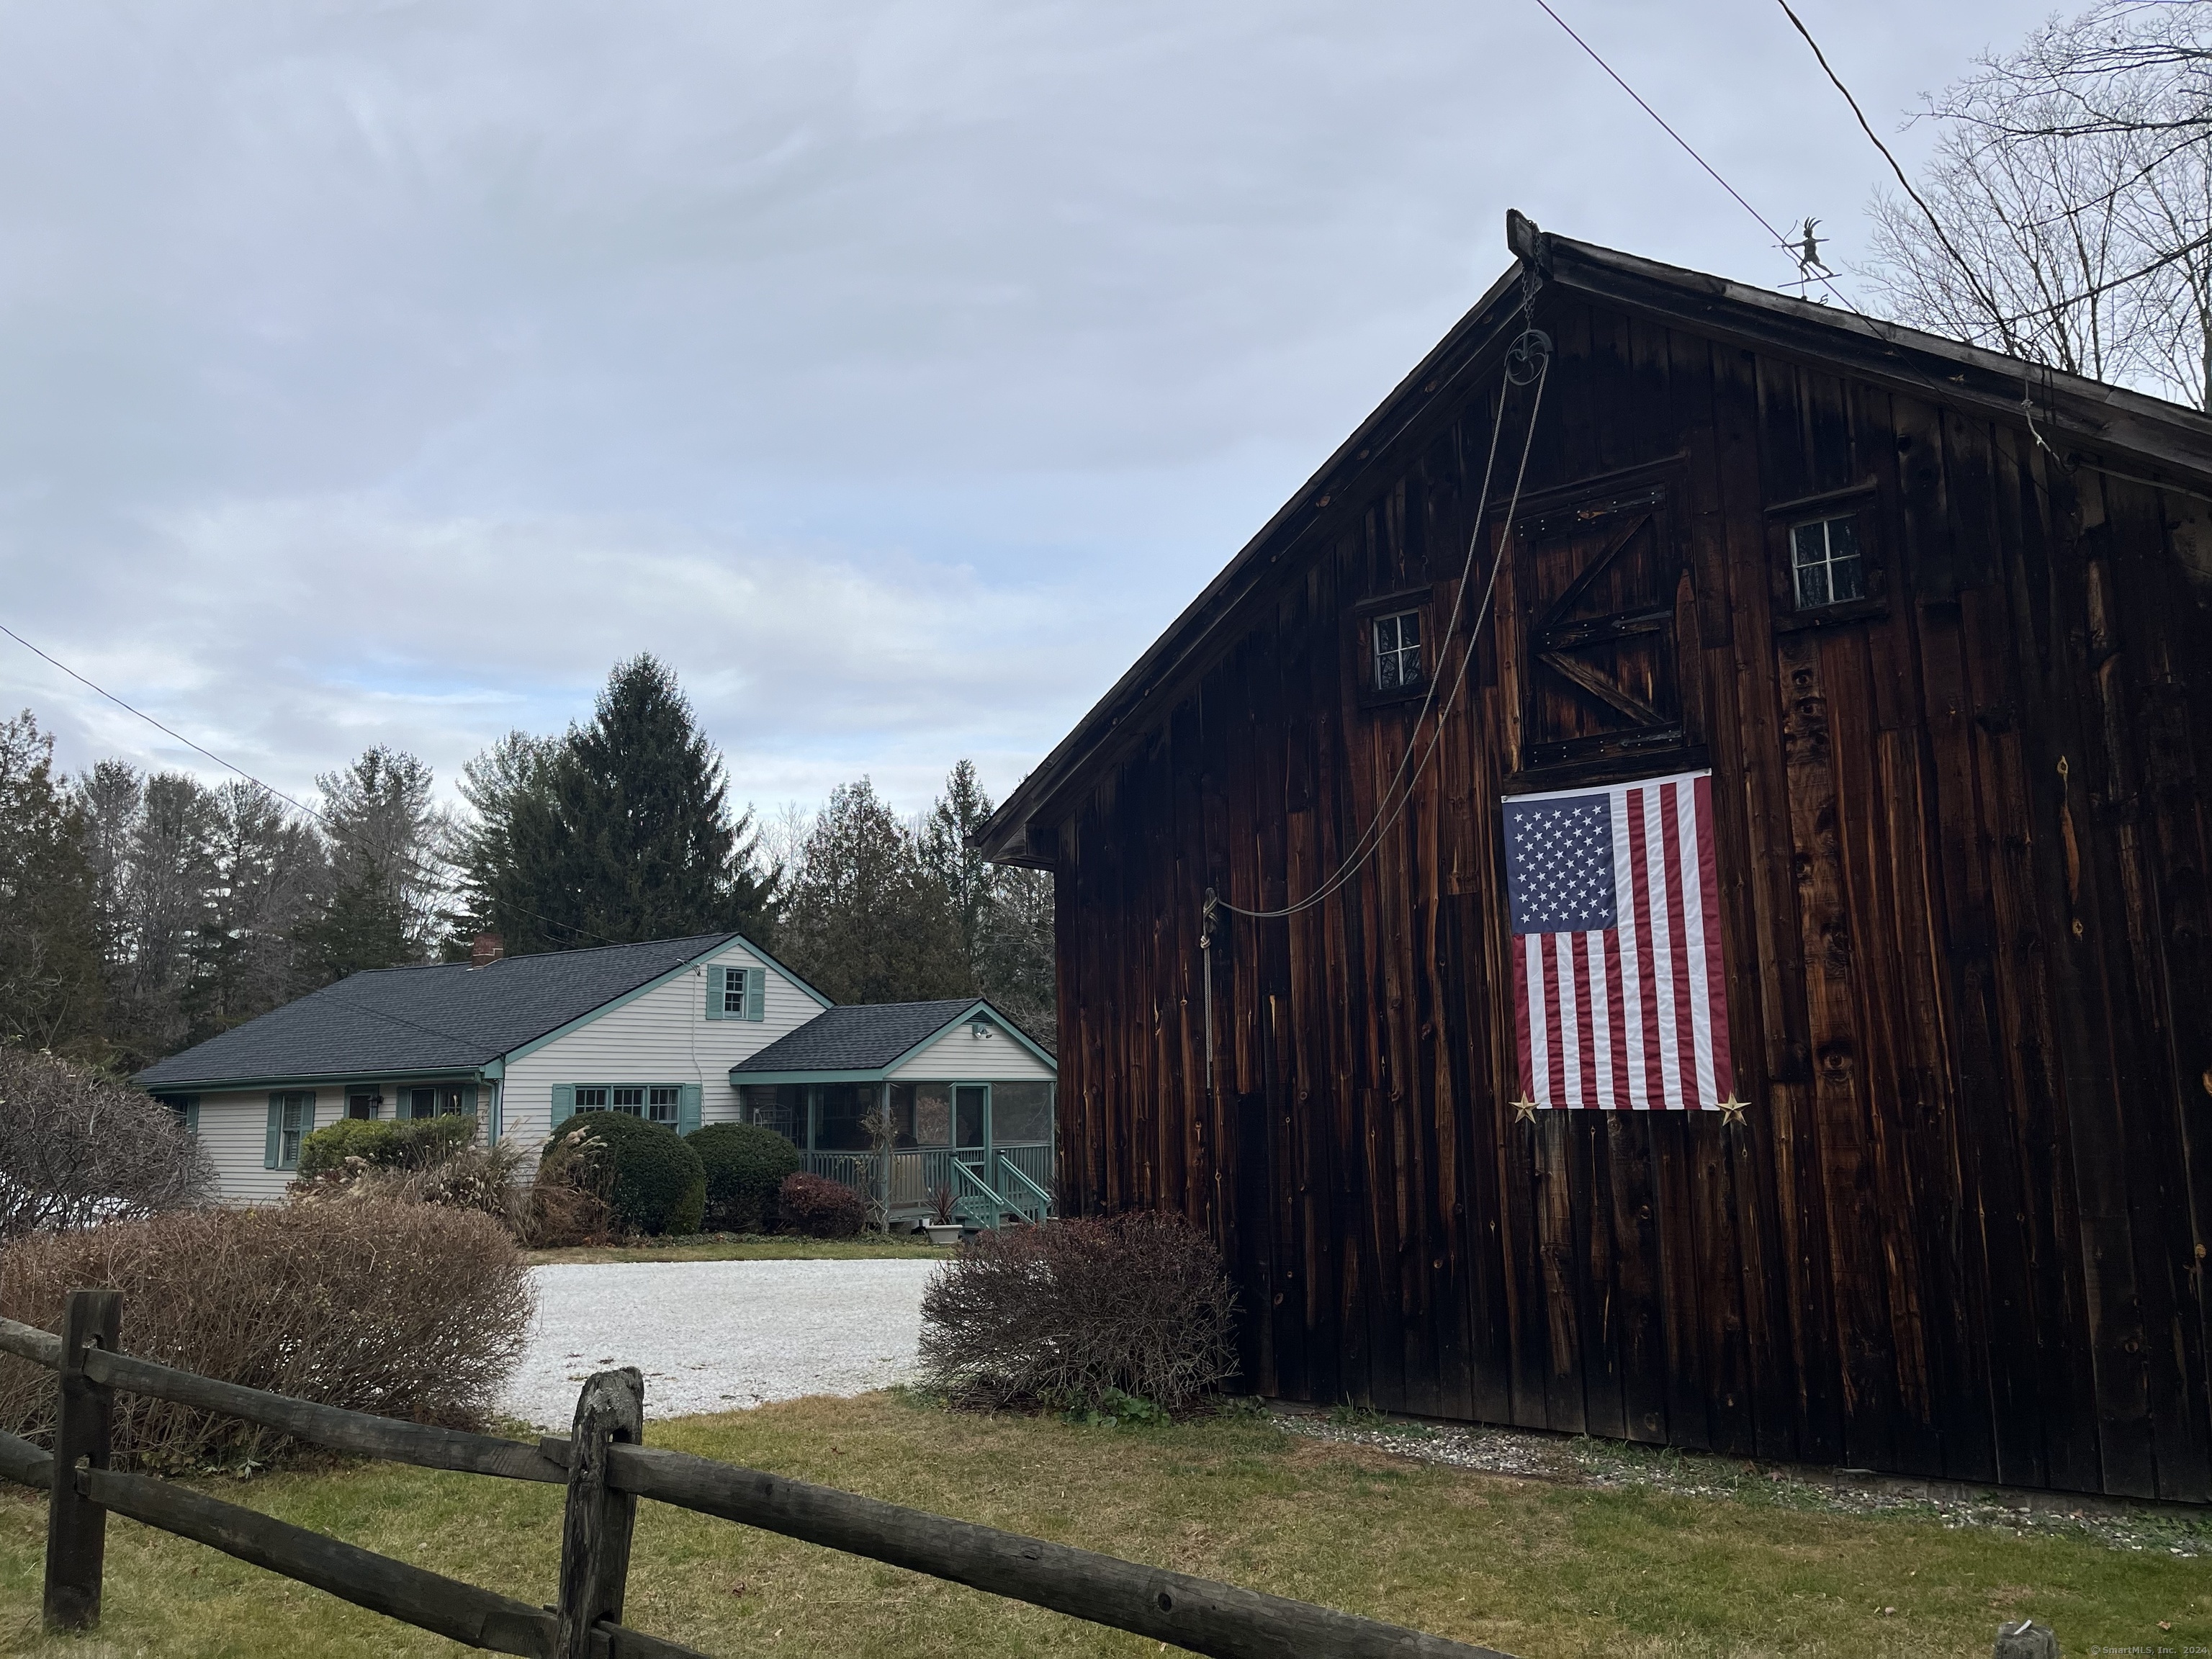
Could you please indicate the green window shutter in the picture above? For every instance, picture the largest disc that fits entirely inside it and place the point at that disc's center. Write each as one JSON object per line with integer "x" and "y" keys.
{"x": 686, "y": 1109}
{"x": 191, "y": 1115}
{"x": 275, "y": 1132}
{"x": 715, "y": 986}
{"x": 469, "y": 1098}
{"x": 756, "y": 992}
{"x": 564, "y": 1102}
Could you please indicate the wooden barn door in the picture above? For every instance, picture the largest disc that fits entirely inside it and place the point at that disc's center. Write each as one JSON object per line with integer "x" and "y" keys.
{"x": 1598, "y": 582}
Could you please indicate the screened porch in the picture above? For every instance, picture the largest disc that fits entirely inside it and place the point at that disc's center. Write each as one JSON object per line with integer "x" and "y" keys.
{"x": 989, "y": 1142}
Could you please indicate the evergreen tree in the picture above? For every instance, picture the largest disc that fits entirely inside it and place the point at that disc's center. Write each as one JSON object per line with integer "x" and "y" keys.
{"x": 867, "y": 919}
{"x": 623, "y": 832}
{"x": 1005, "y": 911}
{"x": 384, "y": 836}
{"x": 480, "y": 845}
{"x": 270, "y": 880}
{"x": 51, "y": 994}
{"x": 955, "y": 816}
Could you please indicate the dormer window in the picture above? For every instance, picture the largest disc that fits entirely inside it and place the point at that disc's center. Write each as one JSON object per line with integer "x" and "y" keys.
{"x": 1826, "y": 561}
{"x": 1398, "y": 651}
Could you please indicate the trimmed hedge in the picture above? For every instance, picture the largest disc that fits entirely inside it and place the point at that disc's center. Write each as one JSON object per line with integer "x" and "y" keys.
{"x": 746, "y": 1163}
{"x": 652, "y": 1180}
{"x": 406, "y": 1143}
{"x": 821, "y": 1207}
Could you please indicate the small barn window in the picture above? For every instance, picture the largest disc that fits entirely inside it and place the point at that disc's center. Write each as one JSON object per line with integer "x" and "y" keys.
{"x": 1825, "y": 560}
{"x": 1398, "y": 651}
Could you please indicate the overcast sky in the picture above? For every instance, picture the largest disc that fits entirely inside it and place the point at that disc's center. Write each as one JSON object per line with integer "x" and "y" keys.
{"x": 384, "y": 372}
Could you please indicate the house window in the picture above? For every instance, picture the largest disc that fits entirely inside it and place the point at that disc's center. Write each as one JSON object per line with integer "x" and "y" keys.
{"x": 296, "y": 1117}
{"x": 187, "y": 1109}
{"x": 660, "y": 1104}
{"x": 628, "y": 1100}
{"x": 1826, "y": 561}
{"x": 733, "y": 992}
{"x": 362, "y": 1104}
{"x": 432, "y": 1100}
{"x": 591, "y": 1099}
{"x": 1398, "y": 651}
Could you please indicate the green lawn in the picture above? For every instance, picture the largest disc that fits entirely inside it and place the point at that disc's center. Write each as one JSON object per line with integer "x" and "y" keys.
{"x": 1534, "y": 1568}
{"x": 746, "y": 1247}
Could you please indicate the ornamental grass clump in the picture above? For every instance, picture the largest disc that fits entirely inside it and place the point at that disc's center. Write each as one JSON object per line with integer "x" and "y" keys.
{"x": 407, "y": 1309}
{"x": 1072, "y": 1314}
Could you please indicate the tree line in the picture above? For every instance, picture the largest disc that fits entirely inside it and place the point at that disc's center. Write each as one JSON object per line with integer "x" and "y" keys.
{"x": 142, "y": 912}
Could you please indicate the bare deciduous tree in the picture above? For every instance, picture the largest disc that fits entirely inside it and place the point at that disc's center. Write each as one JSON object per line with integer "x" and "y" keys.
{"x": 2073, "y": 187}
{"x": 76, "y": 1150}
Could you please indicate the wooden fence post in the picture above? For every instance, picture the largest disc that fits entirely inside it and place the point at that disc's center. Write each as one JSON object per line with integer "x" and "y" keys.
{"x": 596, "y": 1525}
{"x": 77, "y": 1528}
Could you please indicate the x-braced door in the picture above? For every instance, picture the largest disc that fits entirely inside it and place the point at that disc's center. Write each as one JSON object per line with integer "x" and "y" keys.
{"x": 1600, "y": 581}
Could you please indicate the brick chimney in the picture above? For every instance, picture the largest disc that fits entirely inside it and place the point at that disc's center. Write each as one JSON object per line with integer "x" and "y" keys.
{"x": 487, "y": 949}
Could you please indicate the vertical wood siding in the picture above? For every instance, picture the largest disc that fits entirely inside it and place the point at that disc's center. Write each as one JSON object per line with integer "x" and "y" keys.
{"x": 1963, "y": 841}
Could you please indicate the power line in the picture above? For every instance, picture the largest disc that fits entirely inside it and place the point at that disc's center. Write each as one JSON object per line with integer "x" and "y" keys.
{"x": 196, "y": 748}
{"x": 270, "y": 789}
{"x": 1689, "y": 151}
{"x": 1370, "y": 839}
{"x": 1935, "y": 224}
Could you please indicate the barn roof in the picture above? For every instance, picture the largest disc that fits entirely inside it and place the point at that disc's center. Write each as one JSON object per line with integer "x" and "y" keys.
{"x": 2087, "y": 422}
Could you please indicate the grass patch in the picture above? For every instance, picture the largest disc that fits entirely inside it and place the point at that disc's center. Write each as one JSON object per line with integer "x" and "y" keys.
{"x": 1534, "y": 1568}
{"x": 746, "y": 1247}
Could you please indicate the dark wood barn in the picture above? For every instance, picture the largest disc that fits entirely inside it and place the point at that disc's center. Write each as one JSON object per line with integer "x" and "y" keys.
{"x": 1959, "y": 773}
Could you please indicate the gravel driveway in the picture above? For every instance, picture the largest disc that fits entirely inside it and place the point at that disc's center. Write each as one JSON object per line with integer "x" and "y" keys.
{"x": 717, "y": 1336}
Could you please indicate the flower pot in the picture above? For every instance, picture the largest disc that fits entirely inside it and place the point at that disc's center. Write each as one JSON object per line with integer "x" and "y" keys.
{"x": 943, "y": 1232}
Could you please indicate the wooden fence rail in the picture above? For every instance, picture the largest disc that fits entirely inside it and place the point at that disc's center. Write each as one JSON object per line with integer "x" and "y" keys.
{"x": 606, "y": 1471}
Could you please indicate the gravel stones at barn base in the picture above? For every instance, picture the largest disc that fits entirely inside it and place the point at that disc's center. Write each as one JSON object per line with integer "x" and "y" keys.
{"x": 717, "y": 1336}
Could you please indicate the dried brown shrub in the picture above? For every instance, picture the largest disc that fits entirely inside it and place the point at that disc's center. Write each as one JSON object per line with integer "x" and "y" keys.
{"x": 1068, "y": 1312}
{"x": 570, "y": 1196}
{"x": 485, "y": 1179}
{"x": 410, "y": 1310}
{"x": 77, "y": 1150}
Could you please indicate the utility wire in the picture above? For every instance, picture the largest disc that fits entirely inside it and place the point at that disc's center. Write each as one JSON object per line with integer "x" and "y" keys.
{"x": 1824, "y": 278}
{"x": 271, "y": 789}
{"x": 1370, "y": 839}
{"x": 1973, "y": 279}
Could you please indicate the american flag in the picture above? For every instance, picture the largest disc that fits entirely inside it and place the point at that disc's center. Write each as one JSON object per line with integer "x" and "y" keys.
{"x": 1617, "y": 984}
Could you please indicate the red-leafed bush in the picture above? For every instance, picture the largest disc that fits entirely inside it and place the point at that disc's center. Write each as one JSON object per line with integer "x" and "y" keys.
{"x": 820, "y": 1207}
{"x": 1073, "y": 1312}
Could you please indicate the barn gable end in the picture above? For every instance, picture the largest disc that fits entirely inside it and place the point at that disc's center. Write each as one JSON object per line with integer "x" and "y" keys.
{"x": 1962, "y": 832}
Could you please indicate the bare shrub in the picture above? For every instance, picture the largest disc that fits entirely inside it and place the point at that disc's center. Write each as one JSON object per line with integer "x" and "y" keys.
{"x": 1071, "y": 1312}
{"x": 411, "y": 1310}
{"x": 820, "y": 1207}
{"x": 485, "y": 1179}
{"x": 76, "y": 1149}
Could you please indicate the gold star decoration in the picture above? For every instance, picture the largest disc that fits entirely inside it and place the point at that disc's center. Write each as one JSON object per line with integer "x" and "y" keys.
{"x": 1731, "y": 1110}
{"x": 1524, "y": 1110}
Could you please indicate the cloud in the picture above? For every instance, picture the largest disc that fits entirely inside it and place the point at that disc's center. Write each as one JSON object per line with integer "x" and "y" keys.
{"x": 386, "y": 368}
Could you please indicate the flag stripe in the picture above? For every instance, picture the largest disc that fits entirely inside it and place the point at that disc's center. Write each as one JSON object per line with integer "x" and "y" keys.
{"x": 1589, "y": 1020}
{"x": 1716, "y": 979}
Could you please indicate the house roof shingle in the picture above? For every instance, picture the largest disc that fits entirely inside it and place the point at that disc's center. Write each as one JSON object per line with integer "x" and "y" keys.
{"x": 865, "y": 1037}
{"x": 394, "y": 1021}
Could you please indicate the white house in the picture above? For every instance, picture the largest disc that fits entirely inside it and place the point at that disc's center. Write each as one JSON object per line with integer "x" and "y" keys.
{"x": 660, "y": 1029}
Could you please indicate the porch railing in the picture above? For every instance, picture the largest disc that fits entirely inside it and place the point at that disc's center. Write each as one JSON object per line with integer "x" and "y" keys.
{"x": 1019, "y": 1178}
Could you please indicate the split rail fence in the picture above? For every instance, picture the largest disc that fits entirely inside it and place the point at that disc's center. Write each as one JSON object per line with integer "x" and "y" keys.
{"x": 606, "y": 1470}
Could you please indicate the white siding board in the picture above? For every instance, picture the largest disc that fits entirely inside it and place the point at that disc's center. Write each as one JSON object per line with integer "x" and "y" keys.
{"x": 662, "y": 1037}
{"x": 235, "y": 1130}
{"x": 957, "y": 1056}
